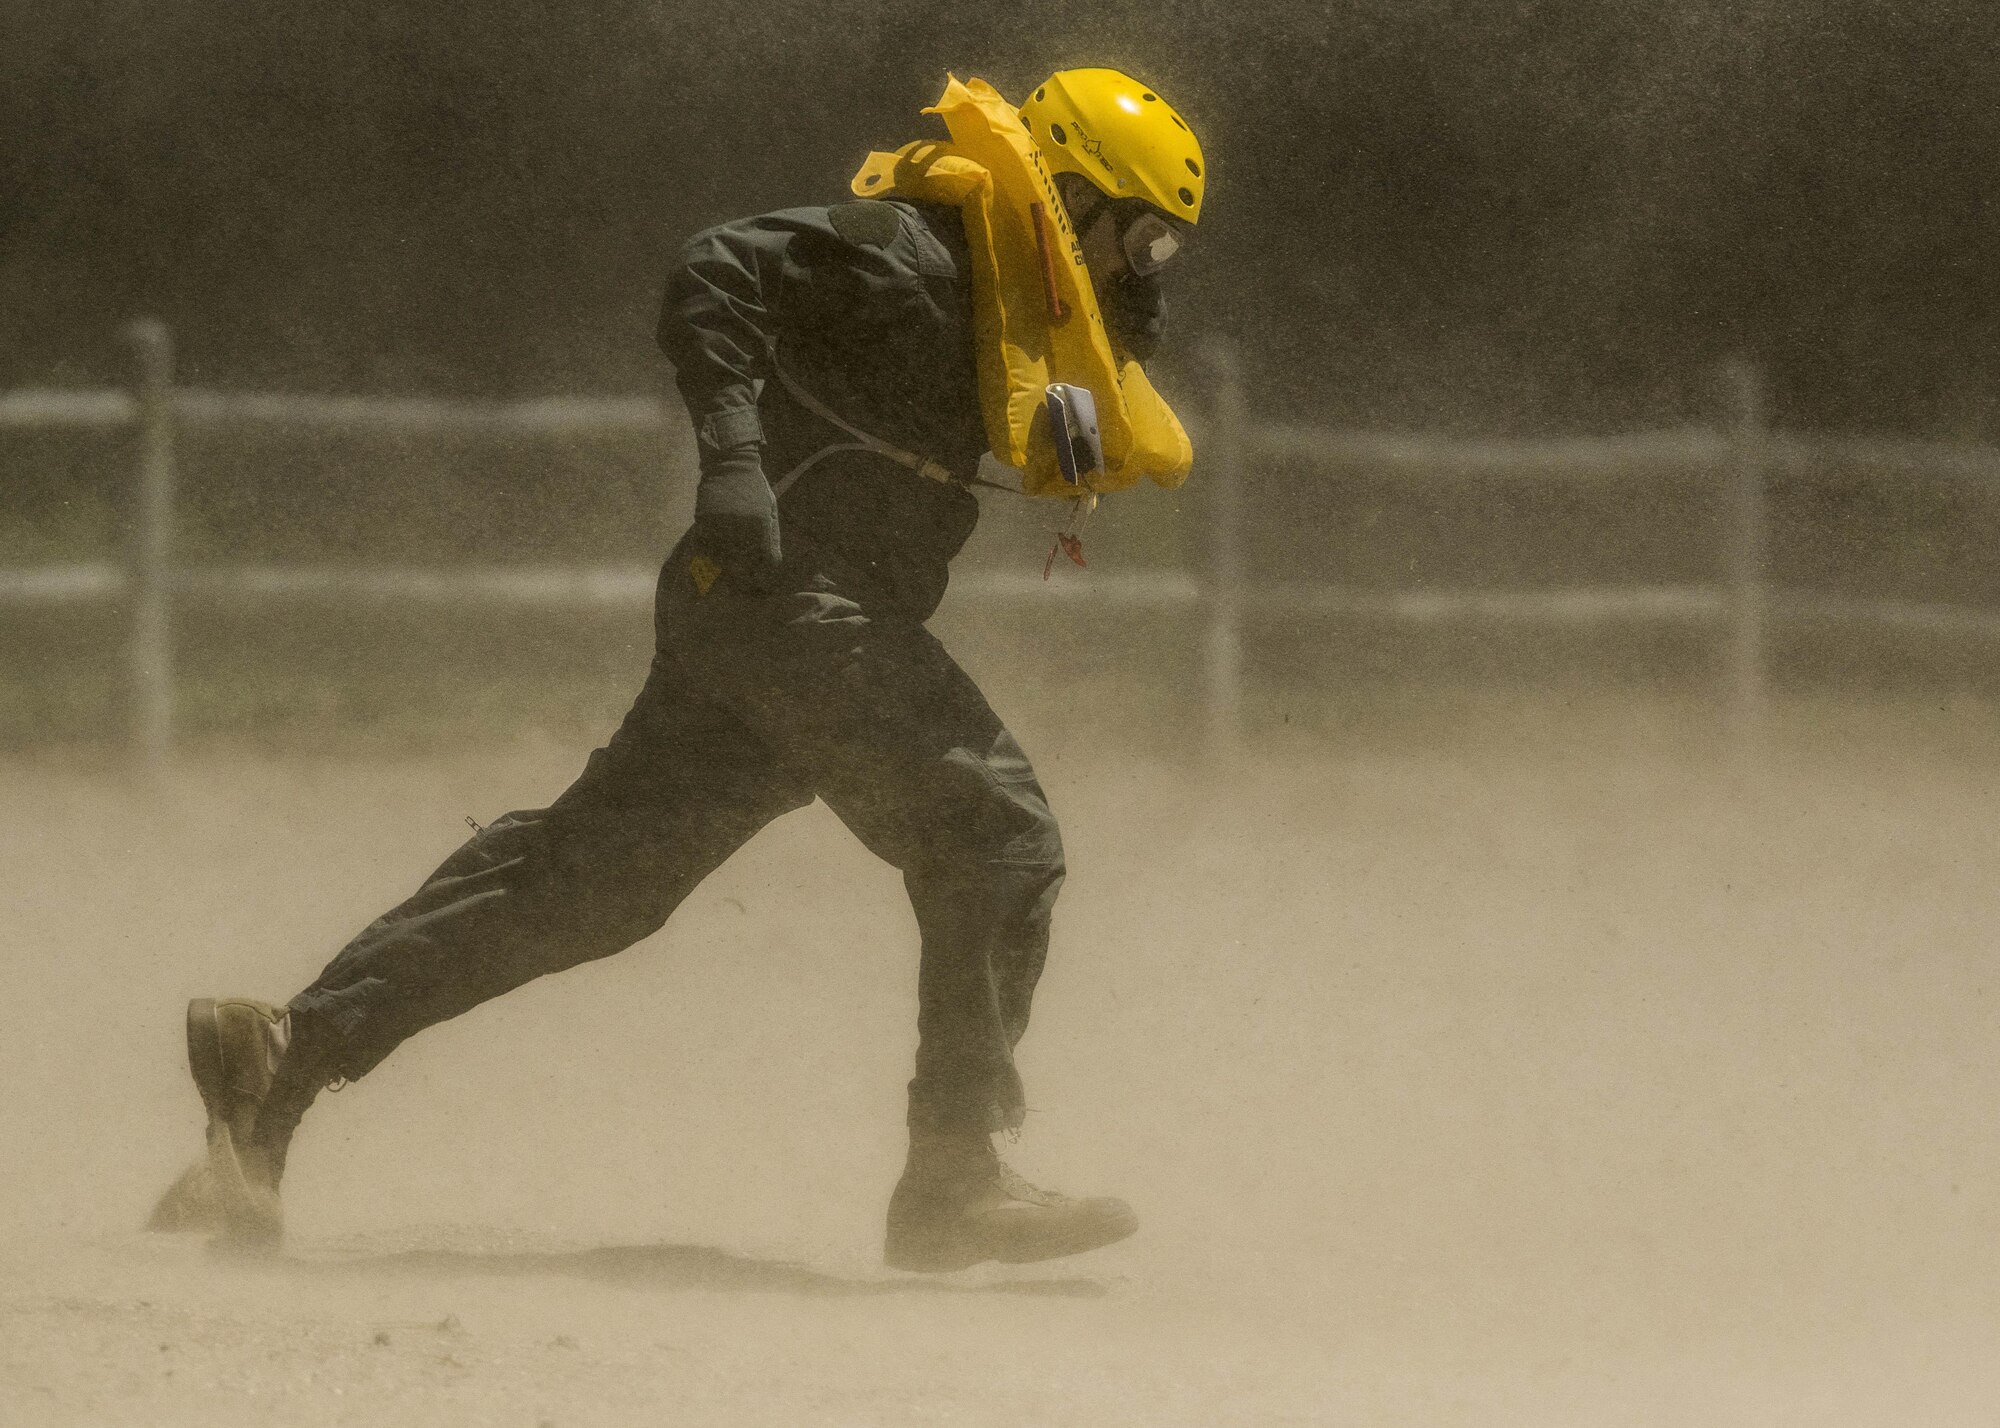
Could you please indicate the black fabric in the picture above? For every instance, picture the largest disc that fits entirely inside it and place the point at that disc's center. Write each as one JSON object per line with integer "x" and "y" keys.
{"x": 754, "y": 706}
{"x": 736, "y": 518}
{"x": 865, "y": 221}
{"x": 804, "y": 673}
{"x": 1135, "y": 314}
{"x": 880, "y": 332}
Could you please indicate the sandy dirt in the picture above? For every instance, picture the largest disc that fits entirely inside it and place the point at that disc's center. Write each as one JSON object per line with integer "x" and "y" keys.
{"x": 1482, "y": 1088}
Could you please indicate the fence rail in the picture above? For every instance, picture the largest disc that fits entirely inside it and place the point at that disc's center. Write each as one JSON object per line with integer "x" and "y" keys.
{"x": 1742, "y": 454}
{"x": 1583, "y": 458}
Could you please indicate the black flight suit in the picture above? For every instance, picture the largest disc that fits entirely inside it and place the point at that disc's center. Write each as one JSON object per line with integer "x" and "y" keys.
{"x": 819, "y": 680}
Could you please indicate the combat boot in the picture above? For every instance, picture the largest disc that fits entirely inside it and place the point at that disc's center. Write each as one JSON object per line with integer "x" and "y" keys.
{"x": 236, "y": 1048}
{"x": 959, "y": 1204}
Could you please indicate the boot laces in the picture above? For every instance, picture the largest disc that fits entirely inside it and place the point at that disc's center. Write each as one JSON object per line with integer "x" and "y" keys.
{"x": 1019, "y": 1187}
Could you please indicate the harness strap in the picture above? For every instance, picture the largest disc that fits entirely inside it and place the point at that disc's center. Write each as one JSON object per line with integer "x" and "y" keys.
{"x": 922, "y": 465}
{"x": 864, "y": 441}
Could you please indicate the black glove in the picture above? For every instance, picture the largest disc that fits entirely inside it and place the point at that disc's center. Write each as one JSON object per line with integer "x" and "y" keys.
{"x": 736, "y": 517}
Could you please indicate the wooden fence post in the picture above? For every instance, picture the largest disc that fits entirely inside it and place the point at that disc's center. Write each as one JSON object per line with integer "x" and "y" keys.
{"x": 1222, "y": 465}
{"x": 151, "y": 652}
{"x": 1747, "y": 415}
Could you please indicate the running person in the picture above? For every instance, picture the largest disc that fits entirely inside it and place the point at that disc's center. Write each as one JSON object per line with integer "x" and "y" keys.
{"x": 845, "y": 369}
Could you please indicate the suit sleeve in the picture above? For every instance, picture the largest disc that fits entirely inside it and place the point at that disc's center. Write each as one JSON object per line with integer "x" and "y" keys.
{"x": 719, "y": 325}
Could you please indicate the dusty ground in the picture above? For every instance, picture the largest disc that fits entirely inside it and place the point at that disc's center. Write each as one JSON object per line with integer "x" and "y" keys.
{"x": 1512, "y": 1085}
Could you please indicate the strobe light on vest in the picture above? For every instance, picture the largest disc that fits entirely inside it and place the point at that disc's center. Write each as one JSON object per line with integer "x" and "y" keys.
{"x": 1079, "y": 451}
{"x": 1073, "y": 424}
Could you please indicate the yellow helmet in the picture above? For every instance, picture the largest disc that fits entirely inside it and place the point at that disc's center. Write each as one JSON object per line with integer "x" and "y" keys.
{"x": 1120, "y": 135}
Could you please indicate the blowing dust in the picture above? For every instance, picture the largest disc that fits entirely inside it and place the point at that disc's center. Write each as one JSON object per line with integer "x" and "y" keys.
{"x": 1559, "y": 1075}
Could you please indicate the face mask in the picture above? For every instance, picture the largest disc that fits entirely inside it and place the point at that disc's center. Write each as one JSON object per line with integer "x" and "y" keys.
{"x": 1135, "y": 314}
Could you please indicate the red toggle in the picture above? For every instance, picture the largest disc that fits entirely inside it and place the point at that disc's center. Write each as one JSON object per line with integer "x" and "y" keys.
{"x": 1069, "y": 545}
{"x": 1047, "y": 248}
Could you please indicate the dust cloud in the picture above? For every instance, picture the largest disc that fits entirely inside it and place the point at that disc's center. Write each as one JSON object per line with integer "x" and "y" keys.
{"x": 1496, "y": 1037}
{"x": 1552, "y": 1076}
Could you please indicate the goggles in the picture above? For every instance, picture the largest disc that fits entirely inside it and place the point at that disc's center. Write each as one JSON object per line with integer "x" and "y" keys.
{"x": 1149, "y": 238}
{"x": 1150, "y": 242}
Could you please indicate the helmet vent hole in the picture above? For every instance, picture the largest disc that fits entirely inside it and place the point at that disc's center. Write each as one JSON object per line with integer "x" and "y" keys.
{"x": 1040, "y": 92}
{"x": 1187, "y": 198}
{"x": 1193, "y": 167}
{"x": 1176, "y": 118}
{"x": 1151, "y": 98}
{"x": 1058, "y": 133}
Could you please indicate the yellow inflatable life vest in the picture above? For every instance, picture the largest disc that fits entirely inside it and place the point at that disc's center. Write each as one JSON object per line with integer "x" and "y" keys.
{"x": 1035, "y": 317}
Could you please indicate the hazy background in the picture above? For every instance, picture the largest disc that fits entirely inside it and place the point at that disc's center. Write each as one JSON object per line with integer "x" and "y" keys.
{"x": 1494, "y": 1043}
{"x": 1519, "y": 216}
{"x": 1475, "y": 218}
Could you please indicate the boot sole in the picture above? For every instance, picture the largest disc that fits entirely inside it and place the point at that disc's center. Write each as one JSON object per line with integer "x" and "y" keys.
{"x": 246, "y": 1218}
{"x": 1004, "y": 1244}
{"x": 1027, "y": 1248}
{"x": 204, "y": 1043}
{"x": 932, "y": 1258}
{"x": 191, "y": 1202}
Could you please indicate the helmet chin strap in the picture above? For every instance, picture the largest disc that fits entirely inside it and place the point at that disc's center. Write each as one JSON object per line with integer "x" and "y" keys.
{"x": 1082, "y": 221}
